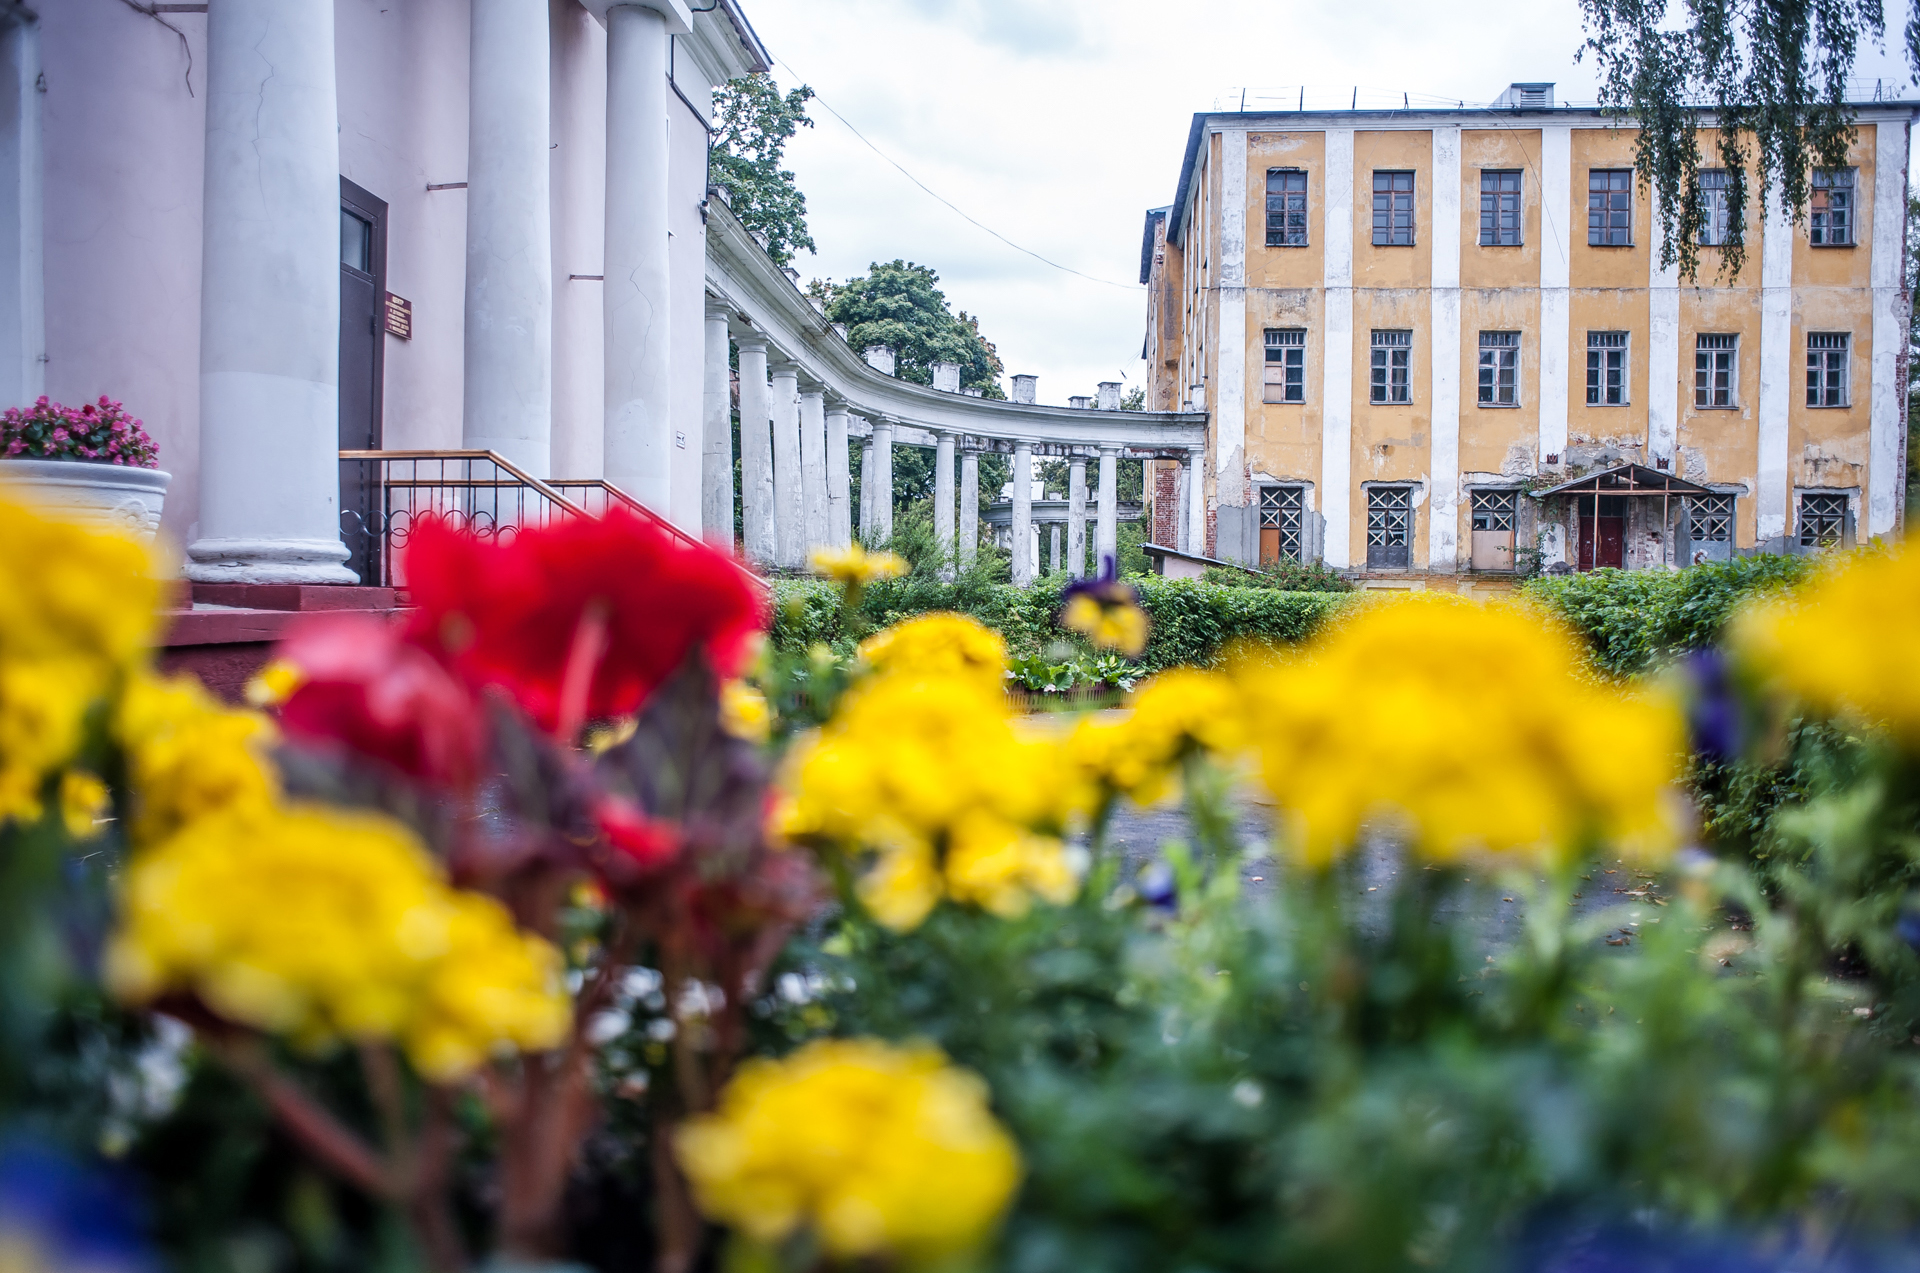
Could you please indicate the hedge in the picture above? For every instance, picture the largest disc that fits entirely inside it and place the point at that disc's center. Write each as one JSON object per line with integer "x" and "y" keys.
{"x": 1635, "y": 619}
{"x": 1191, "y": 621}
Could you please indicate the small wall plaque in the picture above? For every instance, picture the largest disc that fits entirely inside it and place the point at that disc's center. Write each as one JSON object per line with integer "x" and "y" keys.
{"x": 399, "y": 316}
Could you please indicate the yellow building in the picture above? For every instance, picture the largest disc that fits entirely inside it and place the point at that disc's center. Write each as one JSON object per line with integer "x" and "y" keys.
{"x": 1441, "y": 340}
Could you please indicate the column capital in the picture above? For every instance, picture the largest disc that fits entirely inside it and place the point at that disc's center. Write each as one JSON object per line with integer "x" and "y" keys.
{"x": 778, "y": 364}
{"x": 675, "y": 13}
{"x": 750, "y": 341}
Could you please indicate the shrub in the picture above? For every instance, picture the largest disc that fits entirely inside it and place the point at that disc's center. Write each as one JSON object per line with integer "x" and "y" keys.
{"x": 101, "y": 431}
{"x": 1285, "y": 575}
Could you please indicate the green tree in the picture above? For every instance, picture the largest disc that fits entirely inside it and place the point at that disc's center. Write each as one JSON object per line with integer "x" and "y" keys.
{"x": 1771, "y": 73}
{"x": 754, "y": 123}
{"x": 900, "y": 305}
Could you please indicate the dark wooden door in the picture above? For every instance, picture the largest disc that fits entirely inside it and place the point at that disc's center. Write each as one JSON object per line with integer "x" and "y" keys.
{"x": 363, "y": 269}
{"x": 1603, "y": 538}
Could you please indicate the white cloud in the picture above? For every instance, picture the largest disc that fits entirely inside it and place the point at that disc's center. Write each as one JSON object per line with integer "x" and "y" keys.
{"x": 1059, "y": 122}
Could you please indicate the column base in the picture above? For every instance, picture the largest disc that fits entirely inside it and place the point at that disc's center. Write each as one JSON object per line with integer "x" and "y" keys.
{"x": 268, "y": 561}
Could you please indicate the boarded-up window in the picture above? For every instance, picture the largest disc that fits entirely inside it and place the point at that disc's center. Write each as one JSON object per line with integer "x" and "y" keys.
{"x": 1282, "y": 523}
{"x": 1286, "y": 364}
{"x": 1494, "y": 516}
{"x": 1389, "y": 527}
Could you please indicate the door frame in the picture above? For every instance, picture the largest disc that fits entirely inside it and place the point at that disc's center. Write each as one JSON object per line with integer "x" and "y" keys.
{"x": 364, "y": 203}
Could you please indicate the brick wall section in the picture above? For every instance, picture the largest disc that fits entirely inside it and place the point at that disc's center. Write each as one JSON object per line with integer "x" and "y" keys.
{"x": 1166, "y": 505}
{"x": 1213, "y": 518}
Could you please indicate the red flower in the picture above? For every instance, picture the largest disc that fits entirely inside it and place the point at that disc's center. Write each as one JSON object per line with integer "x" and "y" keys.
{"x": 368, "y": 690}
{"x": 643, "y": 844}
{"x": 616, "y": 601}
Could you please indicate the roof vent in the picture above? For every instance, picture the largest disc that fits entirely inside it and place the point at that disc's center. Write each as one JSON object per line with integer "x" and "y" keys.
{"x": 1526, "y": 97}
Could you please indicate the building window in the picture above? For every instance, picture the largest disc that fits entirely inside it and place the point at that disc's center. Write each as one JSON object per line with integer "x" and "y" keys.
{"x": 1389, "y": 527}
{"x": 1494, "y": 517}
{"x": 1499, "y": 369}
{"x": 1392, "y": 209}
{"x": 1830, "y": 208}
{"x": 1286, "y": 208}
{"x": 1715, "y": 370}
{"x": 1286, "y": 364}
{"x": 1827, "y": 369}
{"x": 1282, "y": 522}
{"x": 1606, "y": 369}
{"x": 1499, "y": 207}
{"x": 1710, "y": 519}
{"x": 1716, "y": 204}
{"x": 1610, "y": 207}
{"x": 1823, "y": 520}
{"x": 1392, "y": 366}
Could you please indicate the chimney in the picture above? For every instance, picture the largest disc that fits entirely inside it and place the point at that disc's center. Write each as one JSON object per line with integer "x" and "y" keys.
{"x": 840, "y": 330}
{"x": 1026, "y": 389}
{"x": 793, "y": 275}
{"x": 880, "y": 358}
{"x": 819, "y": 306}
{"x": 1536, "y": 96}
{"x": 1080, "y": 403}
{"x": 974, "y": 393}
{"x": 1109, "y": 397}
{"x": 946, "y": 377}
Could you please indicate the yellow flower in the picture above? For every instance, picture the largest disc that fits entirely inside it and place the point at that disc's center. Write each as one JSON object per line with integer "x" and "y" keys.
{"x": 77, "y": 608}
{"x": 83, "y": 802}
{"x": 274, "y": 684}
{"x": 744, "y": 712}
{"x": 1119, "y": 625}
{"x": 1171, "y": 715}
{"x": 188, "y": 756}
{"x": 1846, "y": 643}
{"x": 939, "y": 645}
{"x": 321, "y": 924}
{"x": 1002, "y": 868}
{"x": 880, "y": 1150}
{"x": 855, "y": 565}
{"x": 1469, "y": 728}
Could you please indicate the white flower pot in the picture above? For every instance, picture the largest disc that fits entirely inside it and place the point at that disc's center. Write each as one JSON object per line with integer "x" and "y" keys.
{"x": 110, "y": 496}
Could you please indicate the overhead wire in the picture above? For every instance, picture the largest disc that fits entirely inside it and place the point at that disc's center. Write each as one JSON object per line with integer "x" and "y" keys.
{"x": 962, "y": 213}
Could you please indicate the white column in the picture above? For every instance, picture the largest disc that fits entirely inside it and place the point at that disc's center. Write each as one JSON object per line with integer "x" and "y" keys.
{"x": 1887, "y": 422}
{"x": 578, "y": 74}
{"x": 866, "y": 490}
{"x": 1663, "y": 351}
{"x": 1557, "y": 227}
{"x": 1020, "y": 542}
{"x": 716, "y": 443}
{"x": 1443, "y": 462}
{"x": 943, "y": 499}
{"x": 270, "y": 299}
{"x": 1336, "y": 415}
{"x": 1077, "y": 517}
{"x": 969, "y": 507}
{"x": 639, "y": 429}
{"x": 508, "y": 403}
{"x": 883, "y": 480}
{"x": 1777, "y": 372}
{"x": 839, "y": 478}
{"x": 1197, "y": 502}
{"x": 1106, "y": 534}
{"x": 789, "y": 531}
{"x": 1230, "y": 384}
{"x": 756, "y": 451}
{"x": 1054, "y": 564}
{"x": 23, "y": 308}
{"x": 813, "y": 467}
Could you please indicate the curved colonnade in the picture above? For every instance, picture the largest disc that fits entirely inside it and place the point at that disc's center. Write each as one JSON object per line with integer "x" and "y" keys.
{"x": 804, "y": 392}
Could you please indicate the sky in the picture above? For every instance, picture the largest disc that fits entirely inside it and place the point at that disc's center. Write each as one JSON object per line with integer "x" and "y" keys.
{"x": 1058, "y": 123}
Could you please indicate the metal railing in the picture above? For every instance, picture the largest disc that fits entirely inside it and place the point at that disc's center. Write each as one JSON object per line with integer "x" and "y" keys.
{"x": 383, "y": 494}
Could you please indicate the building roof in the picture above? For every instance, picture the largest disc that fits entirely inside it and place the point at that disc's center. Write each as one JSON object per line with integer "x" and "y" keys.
{"x": 1627, "y": 479}
{"x": 1493, "y": 116}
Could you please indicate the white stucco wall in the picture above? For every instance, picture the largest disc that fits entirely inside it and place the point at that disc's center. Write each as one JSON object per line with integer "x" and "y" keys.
{"x": 402, "y": 72}
{"x": 123, "y": 145}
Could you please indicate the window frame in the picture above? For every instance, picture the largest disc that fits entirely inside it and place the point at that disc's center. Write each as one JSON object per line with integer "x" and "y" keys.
{"x": 1825, "y": 354}
{"x": 1598, "y": 386}
{"x": 1393, "y": 209}
{"x": 1293, "y": 366}
{"x": 1827, "y": 525}
{"x": 1820, "y": 186}
{"x": 1703, "y": 390}
{"x": 1283, "y": 508}
{"x": 1497, "y": 211}
{"x": 1718, "y": 206}
{"x": 1606, "y": 229}
{"x": 1506, "y": 360}
{"x": 1286, "y": 212}
{"x": 1377, "y": 383}
{"x": 1722, "y": 509}
{"x": 1384, "y": 520}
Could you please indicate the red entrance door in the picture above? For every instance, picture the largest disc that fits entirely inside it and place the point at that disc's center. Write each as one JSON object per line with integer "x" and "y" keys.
{"x": 1603, "y": 538}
